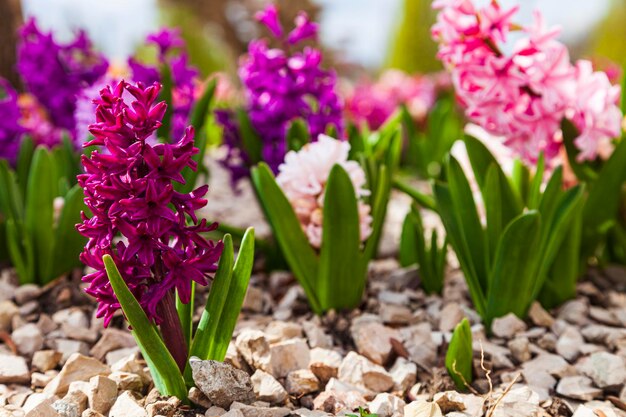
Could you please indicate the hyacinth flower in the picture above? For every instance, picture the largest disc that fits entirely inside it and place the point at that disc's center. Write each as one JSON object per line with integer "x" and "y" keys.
{"x": 55, "y": 73}
{"x": 188, "y": 101}
{"x": 540, "y": 103}
{"x": 10, "y": 130}
{"x": 145, "y": 246}
{"x": 283, "y": 85}
{"x": 325, "y": 219}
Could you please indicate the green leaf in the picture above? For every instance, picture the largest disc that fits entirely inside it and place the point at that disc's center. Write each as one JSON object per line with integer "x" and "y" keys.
{"x": 514, "y": 269}
{"x": 534, "y": 195}
{"x": 288, "y": 232}
{"x": 21, "y": 251}
{"x": 459, "y": 355}
{"x": 342, "y": 274}
{"x": 297, "y": 135}
{"x": 464, "y": 209}
{"x": 379, "y": 210}
{"x": 250, "y": 141}
{"x": 201, "y": 109}
{"x": 68, "y": 243}
{"x": 38, "y": 218}
{"x": 603, "y": 200}
{"x": 409, "y": 241}
{"x": 457, "y": 236}
{"x": 185, "y": 314}
{"x": 236, "y": 294}
{"x": 167, "y": 377}
{"x": 24, "y": 160}
{"x": 204, "y": 338}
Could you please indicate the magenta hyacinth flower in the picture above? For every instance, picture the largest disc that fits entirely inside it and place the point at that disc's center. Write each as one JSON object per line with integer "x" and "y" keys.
{"x": 55, "y": 73}
{"x": 281, "y": 85}
{"x": 10, "y": 130}
{"x": 171, "y": 53}
{"x": 138, "y": 217}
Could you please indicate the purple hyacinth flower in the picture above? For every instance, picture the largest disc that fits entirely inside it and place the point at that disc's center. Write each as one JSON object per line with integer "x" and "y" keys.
{"x": 10, "y": 130}
{"x": 269, "y": 17}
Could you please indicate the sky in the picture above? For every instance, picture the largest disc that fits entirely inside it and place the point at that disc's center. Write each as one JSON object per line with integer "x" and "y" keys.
{"x": 362, "y": 29}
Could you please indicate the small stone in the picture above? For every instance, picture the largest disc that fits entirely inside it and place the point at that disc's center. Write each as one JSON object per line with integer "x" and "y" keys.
{"x": 569, "y": 343}
{"x": 28, "y": 339}
{"x": 37, "y": 399}
{"x": 324, "y": 363}
{"x": 507, "y": 326}
{"x": 163, "y": 408}
{"x": 72, "y": 405}
{"x": 538, "y": 373}
{"x": 372, "y": 338}
{"x": 13, "y": 370}
{"x": 254, "y": 300}
{"x": 422, "y": 408}
{"x": 334, "y": 402}
{"x": 387, "y": 405}
{"x": 520, "y": 349}
{"x": 254, "y": 348}
{"x": 91, "y": 413}
{"x": 395, "y": 314}
{"x": 577, "y": 388}
{"x": 127, "y": 405}
{"x": 548, "y": 342}
{"x": 288, "y": 356}
{"x": 404, "y": 374}
{"x": 197, "y": 397}
{"x": 519, "y": 402}
{"x": 302, "y": 382}
{"x": 7, "y": 311}
{"x": 39, "y": 380}
{"x": 112, "y": 339}
{"x": 361, "y": 372}
{"x": 77, "y": 368}
{"x": 539, "y": 316}
{"x": 117, "y": 355}
{"x": 258, "y": 411}
{"x": 575, "y": 312}
{"x": 221, "y": 383}
{"x": 605, "y": 369}
{"x": 419, "y": 342}
{"x": 316, "y": 336}
{"x": 392, "y": 297}
{"x": 279, "y": 331}
{"x": 69, "y": 347}
{"x": 267, "y": 388}
{"x": 215, "y": 411}
{"x": 472, "y": 405}
{"x": 44, "y": 409}
{"x": 102, "y": 394}
{"x": 27, "y": 292}
{"x": 45, "y": 360}
{"x": 450, "y": 316}
{"x": 126, "y": 381}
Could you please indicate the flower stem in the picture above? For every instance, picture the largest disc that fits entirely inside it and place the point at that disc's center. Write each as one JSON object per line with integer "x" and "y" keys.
{"x": 172, "y": 330}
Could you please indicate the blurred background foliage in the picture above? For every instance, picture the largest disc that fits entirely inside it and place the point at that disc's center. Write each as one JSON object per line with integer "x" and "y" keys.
{"x": 218, "y": 31}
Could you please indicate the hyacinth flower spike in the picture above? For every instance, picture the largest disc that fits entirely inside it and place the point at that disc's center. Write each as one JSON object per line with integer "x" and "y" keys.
{"x": 145, "y": 245}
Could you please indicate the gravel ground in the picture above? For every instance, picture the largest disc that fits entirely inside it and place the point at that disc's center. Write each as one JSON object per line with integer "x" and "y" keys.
{"x": 387, "y": 356}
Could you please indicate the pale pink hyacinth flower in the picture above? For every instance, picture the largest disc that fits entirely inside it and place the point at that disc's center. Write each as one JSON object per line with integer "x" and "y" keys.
{"x": 303, "y": 177}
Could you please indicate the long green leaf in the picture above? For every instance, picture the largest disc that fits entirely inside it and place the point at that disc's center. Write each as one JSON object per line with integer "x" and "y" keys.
{"x": 457, "y": 237}
{"x": 38, "y": 219}
{"x": 68, "y": 243}
{"x": 168, "y": 379}
{"x": 236, "y": 294}
{"x": 459, "y": 355}
{"x": 514, "y": 268}
{"x": 342, "y": 275}
{"x": 165, "y": 131}
{"x": 204, "y": 337}
{"x": 251, "y": 142}
{"x": 297, "y": 135}
{"x": 21, "y": 251}
{"x": 288, "y": 232}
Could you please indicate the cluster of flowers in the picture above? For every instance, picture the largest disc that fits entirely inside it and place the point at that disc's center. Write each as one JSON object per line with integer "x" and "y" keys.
{"x": 173, "y": 55}
{"x": 282, "y": 84}
{"x": 53, "y": 74}
{"x": 138, "y": 218}
{"x": 373, "y": 103}
{"x": 525, "y": 94}
{"x": 303, "y": 177}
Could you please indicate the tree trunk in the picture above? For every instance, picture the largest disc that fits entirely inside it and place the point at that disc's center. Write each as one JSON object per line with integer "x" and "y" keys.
{"x": 10, "y": 21}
